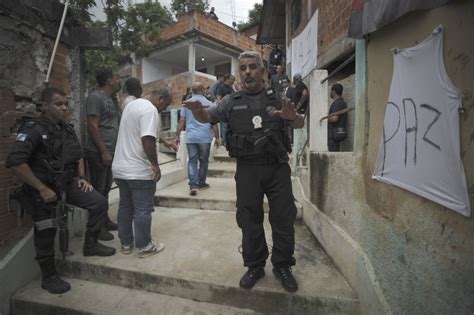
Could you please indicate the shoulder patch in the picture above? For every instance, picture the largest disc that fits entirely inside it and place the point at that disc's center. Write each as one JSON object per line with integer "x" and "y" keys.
{"x": 237, "y": 95}
{"x": 21, "y": 137}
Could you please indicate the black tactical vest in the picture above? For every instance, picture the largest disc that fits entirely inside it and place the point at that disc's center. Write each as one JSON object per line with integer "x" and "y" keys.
{"x": 51, "y": 146}
{"x": 253, "y": 132}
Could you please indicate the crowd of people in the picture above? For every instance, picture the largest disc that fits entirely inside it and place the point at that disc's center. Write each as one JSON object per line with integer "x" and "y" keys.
{"x": 122, "y": 146}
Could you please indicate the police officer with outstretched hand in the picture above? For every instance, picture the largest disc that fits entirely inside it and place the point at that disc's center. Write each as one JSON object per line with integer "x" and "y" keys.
{"x": 44, "y": 147}
{"x": 257, "y": 137}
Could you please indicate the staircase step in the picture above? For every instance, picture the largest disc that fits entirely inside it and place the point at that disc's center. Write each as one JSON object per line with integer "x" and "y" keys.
{"x": 222, "y": 170}
{"x": 201, "y": 262}
{"x": 221, "y": 196}
{"x": 98, "y": 298}
{"x": 223, "y": 157}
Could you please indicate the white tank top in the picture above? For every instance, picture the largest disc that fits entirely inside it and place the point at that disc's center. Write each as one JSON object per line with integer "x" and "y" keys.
{"x": 420, "y": 147}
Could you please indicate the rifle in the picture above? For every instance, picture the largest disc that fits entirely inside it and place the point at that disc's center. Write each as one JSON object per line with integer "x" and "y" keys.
{"x": 340, "y": 112}
{"x": 59, "y": 217}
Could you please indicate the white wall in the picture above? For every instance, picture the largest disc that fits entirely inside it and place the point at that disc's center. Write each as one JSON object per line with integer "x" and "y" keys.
{"x": 153, "y": 70}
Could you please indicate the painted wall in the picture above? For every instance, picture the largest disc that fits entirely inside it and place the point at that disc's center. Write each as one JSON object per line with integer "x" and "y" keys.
{"x": 419, "y": 254}
{"x": 153, "y": 70}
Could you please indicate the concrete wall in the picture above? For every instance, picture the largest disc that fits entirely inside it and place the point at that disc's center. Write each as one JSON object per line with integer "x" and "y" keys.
{"x": 154, "y": 70}
{"x": 402, "y": 253}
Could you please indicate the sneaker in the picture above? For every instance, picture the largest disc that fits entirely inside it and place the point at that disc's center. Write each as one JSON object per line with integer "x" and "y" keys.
{"x": 54, "y": 284}
{"x": 127, "y": 249}
{"x": 286, "y": 277}
{"x": 204, "y": 186}
{"x": 193, "y": 192}
{"x": 249, "y": 279}
{"x": 150, "y": 250}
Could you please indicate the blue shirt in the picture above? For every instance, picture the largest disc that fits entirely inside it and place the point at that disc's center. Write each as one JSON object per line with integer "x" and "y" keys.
{"x": 197, "y": 132}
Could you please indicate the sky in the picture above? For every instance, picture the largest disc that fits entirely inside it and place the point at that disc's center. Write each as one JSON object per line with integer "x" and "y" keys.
{"x": 223, "y": 9}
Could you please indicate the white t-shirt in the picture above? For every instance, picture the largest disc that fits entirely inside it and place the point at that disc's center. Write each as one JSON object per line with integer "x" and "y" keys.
{"x": 140, "y": 118}
{"x": 127, "y": 100}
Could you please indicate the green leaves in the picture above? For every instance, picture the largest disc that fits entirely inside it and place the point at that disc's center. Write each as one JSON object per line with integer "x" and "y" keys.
{"x": 254, "y": 17}
{"x": 142, "y": 25}
{"x": 134, "y": 30}
{"x": 182, "y": 7}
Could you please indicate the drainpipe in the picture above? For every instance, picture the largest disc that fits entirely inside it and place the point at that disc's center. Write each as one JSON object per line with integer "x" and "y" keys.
{"x": 57, "y": 41}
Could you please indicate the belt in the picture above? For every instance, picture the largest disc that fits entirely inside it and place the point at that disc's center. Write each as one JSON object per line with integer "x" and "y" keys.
{"x": 262, "y": 160}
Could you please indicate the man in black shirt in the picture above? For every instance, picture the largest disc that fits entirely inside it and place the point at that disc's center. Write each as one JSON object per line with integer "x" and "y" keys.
{"x": 335, "y": 123}
{"x": 301, "y": 95}
{"x": 277, "y": 57}
{"x": 258, "y": 139}
{"x": 226, "y": 86}
{"x": 276, "y": 79}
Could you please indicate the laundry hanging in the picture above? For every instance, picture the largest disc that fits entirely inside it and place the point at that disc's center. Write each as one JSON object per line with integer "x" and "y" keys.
{"x": 420, "y": 146}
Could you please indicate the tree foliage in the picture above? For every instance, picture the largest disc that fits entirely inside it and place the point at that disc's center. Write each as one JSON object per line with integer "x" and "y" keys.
{"x": 134, "y": 30}
{"x": 142, "y": 26}
{"x": 254, "y": 17}
{"x": 182, "y": 7}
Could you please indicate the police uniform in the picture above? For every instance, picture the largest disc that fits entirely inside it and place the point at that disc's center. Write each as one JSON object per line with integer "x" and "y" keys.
{"x": 39, "y": 144}
{"x": 260, "y": 143}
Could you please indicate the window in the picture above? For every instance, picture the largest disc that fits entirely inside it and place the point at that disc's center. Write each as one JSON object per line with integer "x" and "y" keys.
{"x": 295, "y": 15}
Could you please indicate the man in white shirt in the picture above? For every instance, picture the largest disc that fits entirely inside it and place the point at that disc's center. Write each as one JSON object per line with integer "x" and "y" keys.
{"x": 136, "y": 171}
{"x": 134, "y": 90}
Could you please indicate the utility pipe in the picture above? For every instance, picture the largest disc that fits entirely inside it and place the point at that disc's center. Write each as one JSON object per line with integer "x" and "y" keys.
{"x": 57, "y": 41}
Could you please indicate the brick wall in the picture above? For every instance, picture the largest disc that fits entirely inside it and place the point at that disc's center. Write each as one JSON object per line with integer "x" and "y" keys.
{"x": 213, "y": 28}
{"x": 178, "y": 85}
{"x": 333, "y": 20}
{"x": 61, "y": 69}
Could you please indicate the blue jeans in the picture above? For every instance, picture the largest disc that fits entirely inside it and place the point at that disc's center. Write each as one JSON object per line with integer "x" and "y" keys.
{"x": 198, "y": 151}
{"x": 136, "y": 206}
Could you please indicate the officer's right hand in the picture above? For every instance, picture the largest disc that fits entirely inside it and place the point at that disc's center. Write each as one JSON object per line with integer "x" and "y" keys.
{"x": 47, "y": 194}
{"x": 107, "y": 158}
{"x": 194, "y": 105}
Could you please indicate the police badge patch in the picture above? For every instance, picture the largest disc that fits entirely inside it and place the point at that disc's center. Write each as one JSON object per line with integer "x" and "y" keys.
{"x": 21, "y": 137}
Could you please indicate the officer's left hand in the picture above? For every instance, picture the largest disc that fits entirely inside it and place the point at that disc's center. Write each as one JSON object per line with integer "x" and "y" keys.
{"x": 287, "y": 111}
{"x": 84, "y": 185}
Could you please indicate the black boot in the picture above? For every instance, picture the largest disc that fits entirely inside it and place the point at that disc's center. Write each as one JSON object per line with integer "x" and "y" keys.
{"x": 283, "y": 272}
{"x": 110, "y": 225}
{"x": 249, "y": 279}
{"x": 94, "y": 248}
{"x": 105, "y": 235}
{"x": 51, "y": 281}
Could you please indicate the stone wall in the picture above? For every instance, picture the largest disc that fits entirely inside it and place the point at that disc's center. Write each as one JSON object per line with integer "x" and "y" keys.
{"x": 27, "y": 40}
{"x": 23, "y": 63}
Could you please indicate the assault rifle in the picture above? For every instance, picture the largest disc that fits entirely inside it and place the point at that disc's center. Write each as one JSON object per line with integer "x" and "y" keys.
{"x": 59, "y": 216}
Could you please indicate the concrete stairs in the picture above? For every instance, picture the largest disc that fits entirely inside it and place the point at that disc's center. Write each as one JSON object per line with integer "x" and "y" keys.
{"x": 199, "y": 270}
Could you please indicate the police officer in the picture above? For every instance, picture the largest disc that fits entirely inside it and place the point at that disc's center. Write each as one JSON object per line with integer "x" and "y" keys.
{"x": 37, "y": 151}
{"x": 257, "y": 138}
